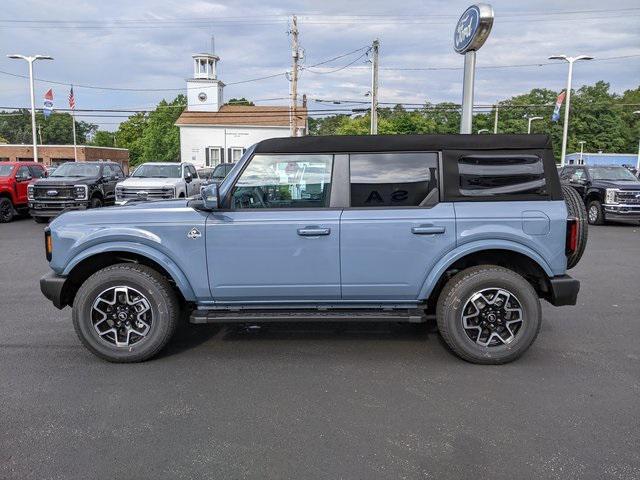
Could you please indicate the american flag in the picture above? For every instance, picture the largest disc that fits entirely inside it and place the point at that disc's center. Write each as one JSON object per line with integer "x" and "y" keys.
{"x": 72, "y": 99}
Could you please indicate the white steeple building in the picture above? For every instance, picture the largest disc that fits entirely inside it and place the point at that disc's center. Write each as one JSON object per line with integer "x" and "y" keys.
{"x": 212, "y": 133}
{"x": 204, "y": 90}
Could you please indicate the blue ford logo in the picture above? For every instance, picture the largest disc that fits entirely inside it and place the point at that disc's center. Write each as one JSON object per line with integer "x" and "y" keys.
{"x": 52, "y": 193}
{"x": 466, "y": 29}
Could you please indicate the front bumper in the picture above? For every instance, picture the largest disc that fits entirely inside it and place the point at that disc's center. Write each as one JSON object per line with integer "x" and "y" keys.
{"x": 52, "y": 287}
{"x": 621, "y": 212}
{"x": 53, "y": 209}
{"x": 563, "y": 290}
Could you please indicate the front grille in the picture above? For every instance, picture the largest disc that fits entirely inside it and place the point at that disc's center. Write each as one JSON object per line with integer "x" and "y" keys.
{"x": 628, "y": 197}
{"x": 152, "y": 193}
{"x": 52, "y": 193}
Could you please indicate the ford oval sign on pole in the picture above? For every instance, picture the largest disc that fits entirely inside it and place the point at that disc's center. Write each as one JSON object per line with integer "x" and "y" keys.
{"x": 471, "y": 32}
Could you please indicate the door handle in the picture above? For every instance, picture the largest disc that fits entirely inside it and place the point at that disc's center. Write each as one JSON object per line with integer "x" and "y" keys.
{"x": 313, "y": 231}
{"x": 427, "y": 230}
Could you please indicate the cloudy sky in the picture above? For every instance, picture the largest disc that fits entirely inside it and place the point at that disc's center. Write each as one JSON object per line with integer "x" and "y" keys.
{"x": 145, "y": 46}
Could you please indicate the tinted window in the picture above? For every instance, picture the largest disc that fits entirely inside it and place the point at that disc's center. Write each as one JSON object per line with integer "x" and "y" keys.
{"x": 80, "y": 169}
{"x": 501, "y": 175}
{"x": 36, "y": 172}
{"x": 284, "y": 181}
{"x": 612, "y": 173}
{"x": 23, "y": 172}
{"x": 393, "y": 179}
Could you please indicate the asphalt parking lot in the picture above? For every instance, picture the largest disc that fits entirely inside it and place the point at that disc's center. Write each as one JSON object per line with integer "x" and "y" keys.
{"x": 313, "y": 401}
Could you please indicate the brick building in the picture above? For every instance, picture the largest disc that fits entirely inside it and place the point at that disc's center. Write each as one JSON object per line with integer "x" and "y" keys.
{"x": 56, "y": 154}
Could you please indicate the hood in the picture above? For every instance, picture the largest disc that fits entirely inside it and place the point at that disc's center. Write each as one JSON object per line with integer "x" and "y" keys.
{"x": 620, "y": 185}
{"x": 149, "y": 182}
{"x": 159, "y": 211}
{"x": 65, "y": 181}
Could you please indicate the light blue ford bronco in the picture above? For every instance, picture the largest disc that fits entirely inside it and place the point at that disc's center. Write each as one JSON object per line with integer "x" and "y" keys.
{"x": 472, "y": 230}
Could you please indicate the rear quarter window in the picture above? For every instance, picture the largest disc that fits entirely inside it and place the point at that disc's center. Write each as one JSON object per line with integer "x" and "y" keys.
{"x": 501, "y": 176}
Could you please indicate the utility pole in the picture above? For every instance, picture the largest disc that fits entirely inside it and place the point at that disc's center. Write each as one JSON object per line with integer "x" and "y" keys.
{"x": 495, "y": 121}
{"x": 295, "y": 56}
{"x": 374, "y": 86}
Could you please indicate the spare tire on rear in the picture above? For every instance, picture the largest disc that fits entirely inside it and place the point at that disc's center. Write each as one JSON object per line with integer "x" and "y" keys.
{"x": 576, "y": 209}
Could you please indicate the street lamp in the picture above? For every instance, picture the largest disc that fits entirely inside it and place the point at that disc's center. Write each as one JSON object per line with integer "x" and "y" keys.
{"x": 570, "y": 61}
{"x": 531, "y": 119}
{"x": 581, "y": 142}
{"x": 483, "y": 130}
{"x": 30, "y": 60}
{"x": 637, "y": 112}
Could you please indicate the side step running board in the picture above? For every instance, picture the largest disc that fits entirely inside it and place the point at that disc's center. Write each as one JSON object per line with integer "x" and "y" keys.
{"x": 355, "y": 315}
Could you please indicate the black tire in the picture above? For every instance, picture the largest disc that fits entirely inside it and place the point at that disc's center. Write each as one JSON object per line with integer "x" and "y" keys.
{"x": 595, "y": 213}
{"x": 575, "y": 207}
{"x": 95, "y": 202}
{"x": 163, "y": 305}
{"x": 7, "y": 212}
{"x": 455, "y": 297}
{"x": 41, "y": 219}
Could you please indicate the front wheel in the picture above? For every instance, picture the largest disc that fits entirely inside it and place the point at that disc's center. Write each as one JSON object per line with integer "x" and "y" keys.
{"x": 595, "y": 213}
{"x": 7, "y": 211}
{"x": 95, "y": 202}
{"x": 488, "y": 314}
{"x": 125, "y": 313}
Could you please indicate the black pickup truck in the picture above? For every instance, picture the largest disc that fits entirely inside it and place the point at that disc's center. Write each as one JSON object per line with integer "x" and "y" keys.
{"x": 74, "y": 186}
{"x": 609, "y": 192}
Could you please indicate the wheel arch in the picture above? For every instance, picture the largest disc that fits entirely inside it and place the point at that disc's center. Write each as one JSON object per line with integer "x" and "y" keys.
{"x": 516, "y": 257}
{"x": 97, "y": 258}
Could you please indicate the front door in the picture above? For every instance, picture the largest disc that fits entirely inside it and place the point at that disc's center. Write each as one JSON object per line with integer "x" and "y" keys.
{"x": 23, "y": 178}
{"x": 396, "y": 229}
{"x": 276, "y": 238}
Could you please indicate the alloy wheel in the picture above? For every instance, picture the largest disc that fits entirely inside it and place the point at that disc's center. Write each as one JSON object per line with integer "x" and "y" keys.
{"x": 593, "y": 214}
{"x": 492, "y": 317}
{"x": 121, "y": 316}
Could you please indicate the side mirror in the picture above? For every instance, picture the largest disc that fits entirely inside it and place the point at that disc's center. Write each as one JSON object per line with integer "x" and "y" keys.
{"x": 23, "y": 178}
{"x": 210, "y": 196}
{"x": 187, "y": 177}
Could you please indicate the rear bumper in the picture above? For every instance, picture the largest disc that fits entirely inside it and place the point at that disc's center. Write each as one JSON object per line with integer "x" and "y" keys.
{"x": 52, "y": 286}
{"x": 564, "y": 290}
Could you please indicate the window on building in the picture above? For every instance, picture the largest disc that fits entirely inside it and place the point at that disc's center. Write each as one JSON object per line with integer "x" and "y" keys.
{"x": 236, "y": 154}
{"x": 501, "y": 175}
{"x": 394, "y": 179}
{"x": 214, "y": 156}
{"x": 284, "y": 181}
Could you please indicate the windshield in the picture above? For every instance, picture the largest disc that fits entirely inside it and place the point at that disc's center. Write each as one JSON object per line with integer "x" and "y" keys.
{"x": 612, "y": 173}
{"x": 5, "y": 170}
{"x": 154, "y": 170}
{"x": 72, "y": 169}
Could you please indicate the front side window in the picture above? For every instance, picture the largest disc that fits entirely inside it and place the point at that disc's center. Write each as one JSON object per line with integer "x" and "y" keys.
{"x": 394, "y": 179}
{"x": 501, "y": 175}
{"x": 284, "y": 181}
{"x": 36, "y": 172}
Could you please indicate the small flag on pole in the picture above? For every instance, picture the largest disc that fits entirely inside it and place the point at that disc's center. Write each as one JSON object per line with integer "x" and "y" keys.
{"x": 72, "y": 99}
{"x": 48, "y": 103}
{"x": 556, "y": 111}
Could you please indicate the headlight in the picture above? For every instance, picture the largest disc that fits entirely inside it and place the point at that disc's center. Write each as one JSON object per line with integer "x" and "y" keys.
{"x": 30, "y": 195}
{"x": 610, "y": 196}
{"x": 80, "y": 192}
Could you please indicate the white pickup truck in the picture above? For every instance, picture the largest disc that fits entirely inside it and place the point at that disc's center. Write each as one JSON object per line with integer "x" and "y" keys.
{"x": 159, "y": 180}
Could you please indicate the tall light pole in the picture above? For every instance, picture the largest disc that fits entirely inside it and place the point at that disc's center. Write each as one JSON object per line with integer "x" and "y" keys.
{"x": 565, "y": 127}
{"x": 30, "y": 60}
{"x": 581, "y": 142}
{"x": 637, "y": 112}
{"x": 531, "y": 119}
{"x": 375, "y": 48}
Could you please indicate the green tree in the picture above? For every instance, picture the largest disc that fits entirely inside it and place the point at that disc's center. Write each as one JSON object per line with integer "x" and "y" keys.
{"x": 129, "y": 135}
{"x": 240, "y": 101}
{"x": 56, "y": 129}
{"x": 102, "y": 138}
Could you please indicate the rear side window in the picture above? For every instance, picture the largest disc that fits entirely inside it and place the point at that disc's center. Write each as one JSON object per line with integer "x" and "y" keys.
{"x": 394, "y": 179}
{"x": 501, "y": 175}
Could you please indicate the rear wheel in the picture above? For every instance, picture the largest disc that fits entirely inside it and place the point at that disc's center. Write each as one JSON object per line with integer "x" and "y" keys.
{"x": 7, "y": 211}
{"x": 125, "y": 313}
{"x": 575, "y": 208}
{"x": 488, "y": 314}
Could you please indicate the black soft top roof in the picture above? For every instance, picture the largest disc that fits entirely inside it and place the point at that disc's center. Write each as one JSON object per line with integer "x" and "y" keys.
{"x": 386, "y": 143}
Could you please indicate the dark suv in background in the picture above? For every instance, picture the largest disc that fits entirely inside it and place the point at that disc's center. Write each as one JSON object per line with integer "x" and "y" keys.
{"x": 608, "y": 192}
{"x": 74, "y": 186}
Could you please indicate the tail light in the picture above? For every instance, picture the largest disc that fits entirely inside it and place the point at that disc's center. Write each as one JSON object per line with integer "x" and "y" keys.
{"x": 572, "y": 235}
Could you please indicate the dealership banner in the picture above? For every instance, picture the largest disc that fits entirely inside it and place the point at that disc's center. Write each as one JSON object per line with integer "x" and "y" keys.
{"x": 48, "y": 103}
{"x": 556, "y": 111}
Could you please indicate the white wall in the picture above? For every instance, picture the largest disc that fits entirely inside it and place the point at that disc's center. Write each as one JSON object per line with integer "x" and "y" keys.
{"x": 195, "y": 139}
{"x": 211, "y": 88}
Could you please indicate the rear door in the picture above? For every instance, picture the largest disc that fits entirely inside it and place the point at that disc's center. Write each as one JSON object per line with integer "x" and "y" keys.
{"x": 278, "y": 239}
{"x": 396, "y": 228}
